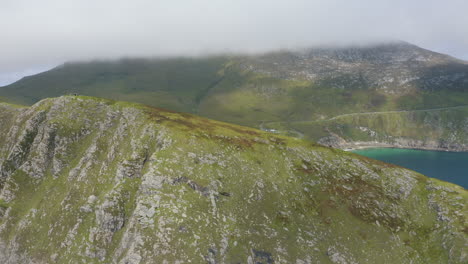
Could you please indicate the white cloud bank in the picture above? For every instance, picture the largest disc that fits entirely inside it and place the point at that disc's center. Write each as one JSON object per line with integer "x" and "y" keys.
{"x": 36, "y": 33}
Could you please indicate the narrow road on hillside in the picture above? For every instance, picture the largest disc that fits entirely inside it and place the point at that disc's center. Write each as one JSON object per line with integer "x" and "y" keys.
{"x": 361, "y": 113}
{"x": 391, "y": 112}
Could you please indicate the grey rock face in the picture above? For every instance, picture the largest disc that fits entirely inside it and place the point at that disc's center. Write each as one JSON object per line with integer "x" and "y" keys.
{"x": 112, "y": 183}
{"x": 394, "y": 68}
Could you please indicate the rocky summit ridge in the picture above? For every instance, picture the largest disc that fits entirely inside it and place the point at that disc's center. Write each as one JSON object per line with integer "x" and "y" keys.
{"x": 87, "y": 180}
{"x": 391, "y": 68}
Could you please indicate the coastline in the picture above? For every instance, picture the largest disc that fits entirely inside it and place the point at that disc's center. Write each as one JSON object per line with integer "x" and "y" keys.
{"x": 351, "y": 146}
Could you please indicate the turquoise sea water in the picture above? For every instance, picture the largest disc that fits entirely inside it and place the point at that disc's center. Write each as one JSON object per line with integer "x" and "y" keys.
{"x": 447, "y": 166}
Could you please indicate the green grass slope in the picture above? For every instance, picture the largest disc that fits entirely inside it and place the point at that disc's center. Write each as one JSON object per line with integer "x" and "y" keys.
{"x": 175, "y": 83}
{"x": 219, "y": 87}
{"x": 97, "y": 181}
{"x": 438, "y": 129}
{"x": 301, "y": 86}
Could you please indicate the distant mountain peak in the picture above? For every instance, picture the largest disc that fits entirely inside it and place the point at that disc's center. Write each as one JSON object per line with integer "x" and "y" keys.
{"x": 394, "y": 67}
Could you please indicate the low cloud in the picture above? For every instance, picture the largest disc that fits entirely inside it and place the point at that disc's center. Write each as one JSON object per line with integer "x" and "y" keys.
{"x": 37, "y": 33}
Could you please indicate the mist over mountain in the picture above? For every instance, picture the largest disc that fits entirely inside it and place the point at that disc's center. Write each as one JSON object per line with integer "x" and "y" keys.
{"x": 52, "y": 32}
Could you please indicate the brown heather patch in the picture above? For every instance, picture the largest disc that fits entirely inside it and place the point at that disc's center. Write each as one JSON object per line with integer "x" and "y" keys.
{"x": 239, "y": 130}
{"x": 378, "y": 162}
{"x": 361, "y": 201}
{"x": 209, "y": 128}
{"x": 194, "y": 122}
{"x": 159, "y": 110}
{"x": 465, "y": 230}
{"x": 240, "y": 142}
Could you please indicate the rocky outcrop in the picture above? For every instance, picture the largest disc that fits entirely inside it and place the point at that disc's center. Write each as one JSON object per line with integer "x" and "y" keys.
{"x": 96, "y": 181}
{"x": 391, "y": 68}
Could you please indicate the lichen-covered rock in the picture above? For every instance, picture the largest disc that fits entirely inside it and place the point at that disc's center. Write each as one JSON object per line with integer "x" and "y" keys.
{"x": 85, "y": 180}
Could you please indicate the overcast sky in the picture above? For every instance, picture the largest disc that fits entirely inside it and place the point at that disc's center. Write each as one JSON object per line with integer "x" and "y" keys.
{"x": 35, "y": 35}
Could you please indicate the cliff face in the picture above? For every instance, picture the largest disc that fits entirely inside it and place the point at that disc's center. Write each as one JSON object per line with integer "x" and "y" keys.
{"x": 88, "y": 180}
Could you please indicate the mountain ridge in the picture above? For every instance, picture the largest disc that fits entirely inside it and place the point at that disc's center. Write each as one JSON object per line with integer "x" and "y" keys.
{"x": 285, "y": 86}
{"x": 113, "y": 182}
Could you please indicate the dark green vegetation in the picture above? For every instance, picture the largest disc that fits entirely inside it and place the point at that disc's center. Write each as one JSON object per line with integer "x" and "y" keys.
{"x": 301, "y": 86}
{"x": 86, "y": 180}
{"x": 172, "y": 83}
{"x": 447, "y": 166}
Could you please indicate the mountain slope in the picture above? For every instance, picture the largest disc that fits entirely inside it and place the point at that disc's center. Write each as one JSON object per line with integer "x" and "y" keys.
{"x": 393, "y": 68}
{"x": 172, "y": 82}
{"x": 286, "y": 86}
{"x": 434, "y": 129}
{"x": 101, "y": 181}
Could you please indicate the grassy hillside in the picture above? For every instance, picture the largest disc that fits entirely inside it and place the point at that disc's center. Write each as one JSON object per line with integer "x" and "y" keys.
{"x": 445, "y": 128}
{"x": 218, "y": 87}
{"x": 174, "y": 83}
{"x": 5, "y": 100}
{"x": 302, "y": 86}
{"x": 97, "y": 181}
